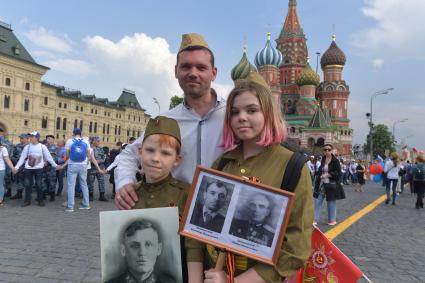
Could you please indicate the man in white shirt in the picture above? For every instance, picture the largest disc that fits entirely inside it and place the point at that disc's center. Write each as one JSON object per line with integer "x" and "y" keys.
{"x": 77, "y": 153}
{"x": 200, "y": 118}
{"x": 34, "y": 155}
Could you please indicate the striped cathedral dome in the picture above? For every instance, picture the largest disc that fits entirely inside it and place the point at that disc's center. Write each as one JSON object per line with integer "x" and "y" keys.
{"x": 269, "y": 55}
{"x": 243, "y": 68}
{"x": 333, "y": 56}
{"x": 308, "y": 76}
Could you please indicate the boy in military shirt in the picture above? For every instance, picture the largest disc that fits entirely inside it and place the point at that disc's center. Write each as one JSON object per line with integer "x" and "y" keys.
{"x": 160, "y": 153}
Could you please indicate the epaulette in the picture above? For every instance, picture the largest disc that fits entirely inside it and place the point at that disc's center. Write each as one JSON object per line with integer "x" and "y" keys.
{"x": 179, "y": 184}
{"x": 268, "y": 228}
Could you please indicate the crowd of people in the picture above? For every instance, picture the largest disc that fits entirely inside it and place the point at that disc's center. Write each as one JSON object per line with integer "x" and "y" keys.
{"x": 42, "y": 165}
{"x": 246, "y": 132}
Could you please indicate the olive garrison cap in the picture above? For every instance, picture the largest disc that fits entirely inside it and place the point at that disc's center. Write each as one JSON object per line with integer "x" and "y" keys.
{"x": 163, "y": 126}
{"x": 193, "y": 39}
{"x": 253, "y": 77}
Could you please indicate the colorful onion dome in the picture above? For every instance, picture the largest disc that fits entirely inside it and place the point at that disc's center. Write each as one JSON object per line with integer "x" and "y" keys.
{"x": 333, "y": 56}
{"x": 308, "y": 76}
{"x": 269, "y": 55}
{"x": 243, "y": 68}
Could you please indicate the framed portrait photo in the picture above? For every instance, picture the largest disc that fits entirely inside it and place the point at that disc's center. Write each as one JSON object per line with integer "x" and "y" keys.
{"x": 237, "y": 215}
{"x": 140, "y": 245}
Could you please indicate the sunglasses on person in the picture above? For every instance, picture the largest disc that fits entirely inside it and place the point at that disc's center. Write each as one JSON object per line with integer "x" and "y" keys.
{"x": 327, "y": 149}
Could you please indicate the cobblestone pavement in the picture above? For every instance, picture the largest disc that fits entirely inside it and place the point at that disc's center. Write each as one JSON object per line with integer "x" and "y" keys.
{"x": 45, "y": 244}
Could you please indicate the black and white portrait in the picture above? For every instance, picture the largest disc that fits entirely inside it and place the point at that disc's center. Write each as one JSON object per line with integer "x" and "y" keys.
{"x": 211, "y": 204}
{"x": 139, "y": 246}
{"x": 255, "y": 217}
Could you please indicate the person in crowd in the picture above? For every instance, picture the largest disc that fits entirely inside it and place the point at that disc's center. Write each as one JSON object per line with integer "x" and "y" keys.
{"x": 19, "y": 178}
{"x": 4, "y": 160}
{"x": 60, "y": 160}
{"x": 361, "y": 170}
{"x": 345, "y": 172}
{"x": 311, "y": 166}
{"x": 34, "y": 155}
{"x": 48, "y": 180}
{"x": 8, "y": 176}
{"x": 255, "y": 228}
{"x": 353, "y": 171}
{"x": 253, "y": 131}
{"x": 201, "y": 114}
{"x": 77, "y": 156}
{"x": 141, "y": 245}
{"x": 391, "y": 169}
{"x": 207, "y": 214}
{"x": 93, "y": 173}
{"x": 113, "y": 161}
{"x": 327, "y": 185}
{"x": 418, "y": 177}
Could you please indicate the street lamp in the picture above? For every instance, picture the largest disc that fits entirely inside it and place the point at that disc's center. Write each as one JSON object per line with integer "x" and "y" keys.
{"x": 157, "y": 103}
{"x": 395, "y": 123}
{"x": 385, "y": 91}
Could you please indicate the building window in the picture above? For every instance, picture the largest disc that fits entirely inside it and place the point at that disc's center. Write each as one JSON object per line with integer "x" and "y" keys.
{"x": 64, "y": 105}
{"x": 103, "y": 130}
{"x": 90, "y": 126}
{"x": 6, "y": 101}
{"x": 128, "y": 132}
{"x": 25, "y": 122}
{"x": 27, "y": 86}
{"x": 46, "y": 100}
{"x": 60, "y": 104}
{"x": 57, "y": 136}
{"x": 95, "y": 112}
{"x": 81, "y": 108}
{"x": 116, "y": 129}
{"x": 128, "y": 116}
{"x": 105, "y": 113}
{"x": 134, "y": 133}
{"x": 107, "y": 129}
{"x": 58, "y": 123}
{"x": 64, "y": 124}
{"x": 81, "y": 125}
{"x": 76, "y": 108}
{"x": 26, "y": 105}
{"x": 7, "y": 82}
{"x": 44, "y": 123}
{"x": 95, "y": 127}
{"x": 75, "y": 123}
{"x": 91, "y": 111}
{"x": 119, "y": 130}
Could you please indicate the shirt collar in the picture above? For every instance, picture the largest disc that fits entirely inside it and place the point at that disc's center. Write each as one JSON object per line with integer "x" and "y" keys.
{"x": 218, "y": 100}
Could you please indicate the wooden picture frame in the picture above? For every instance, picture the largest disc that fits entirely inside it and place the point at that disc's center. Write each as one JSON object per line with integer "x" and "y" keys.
{"x": 248, "y": 218}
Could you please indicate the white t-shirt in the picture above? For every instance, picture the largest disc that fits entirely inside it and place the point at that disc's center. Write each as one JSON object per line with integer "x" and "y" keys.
{"x": 68, "y": 148}
{"x": 3, "y": 153}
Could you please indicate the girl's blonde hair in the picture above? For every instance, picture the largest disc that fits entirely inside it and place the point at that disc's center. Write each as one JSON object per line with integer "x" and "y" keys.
{"x": 274, "y": 131}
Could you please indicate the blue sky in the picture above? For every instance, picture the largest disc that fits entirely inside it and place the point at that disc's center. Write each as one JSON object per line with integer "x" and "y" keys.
{"x": 101, "y": 47}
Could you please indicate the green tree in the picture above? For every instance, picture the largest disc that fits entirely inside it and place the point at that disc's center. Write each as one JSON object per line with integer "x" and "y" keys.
{"x": 382, "y": 140}
{"x": 175, "y": 100}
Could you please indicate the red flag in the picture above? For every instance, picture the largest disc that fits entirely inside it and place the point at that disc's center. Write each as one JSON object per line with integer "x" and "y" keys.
{"x": 326, "y": 264}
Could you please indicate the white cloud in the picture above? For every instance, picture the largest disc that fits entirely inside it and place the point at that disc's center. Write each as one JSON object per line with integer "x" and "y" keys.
{"x": 397, "y": 31}
{"x": 23, "y": 21}
{"x": 138, "y": 62}
{"x": 72, "y": 67}
{"x": 377, "y": 63}
{"x": 48, "y": 40}
{"x": 222, "y": 90}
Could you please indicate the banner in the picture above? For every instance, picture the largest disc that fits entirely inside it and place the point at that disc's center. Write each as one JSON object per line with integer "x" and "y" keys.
{"x": 327, "y": 264}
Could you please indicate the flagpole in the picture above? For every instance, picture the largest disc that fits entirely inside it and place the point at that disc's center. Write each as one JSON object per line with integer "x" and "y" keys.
{"x": 367, "y": 279}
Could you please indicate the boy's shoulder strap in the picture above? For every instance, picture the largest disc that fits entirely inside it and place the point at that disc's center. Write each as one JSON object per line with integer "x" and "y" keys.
{"x": 293, "y": 172}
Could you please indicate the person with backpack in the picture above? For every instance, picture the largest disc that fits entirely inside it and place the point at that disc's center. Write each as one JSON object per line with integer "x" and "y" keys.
{"x": 77, "y": 155}
{"x": 34, "y": 155}
{"x": 418, "y": 176}
{"x": 253, "y": 130}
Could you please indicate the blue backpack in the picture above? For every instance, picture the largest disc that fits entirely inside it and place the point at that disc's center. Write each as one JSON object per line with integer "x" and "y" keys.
{"x": 78, "y": 151}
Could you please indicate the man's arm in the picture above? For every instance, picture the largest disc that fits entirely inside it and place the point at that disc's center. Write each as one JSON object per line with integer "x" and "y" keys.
{"x": 24, "y": 155}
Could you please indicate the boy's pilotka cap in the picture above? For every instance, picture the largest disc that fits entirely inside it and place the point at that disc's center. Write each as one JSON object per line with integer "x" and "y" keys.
{"x": 163, "y": 126}
{"x": 193, "y": 39}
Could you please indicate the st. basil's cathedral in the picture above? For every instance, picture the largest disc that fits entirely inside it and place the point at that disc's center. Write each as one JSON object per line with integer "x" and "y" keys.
{"x": 315, "y": 111}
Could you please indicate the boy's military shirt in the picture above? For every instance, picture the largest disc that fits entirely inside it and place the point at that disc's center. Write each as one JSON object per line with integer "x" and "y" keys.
{"x": 169, "y": 192}
{"x": 100, "y": 156}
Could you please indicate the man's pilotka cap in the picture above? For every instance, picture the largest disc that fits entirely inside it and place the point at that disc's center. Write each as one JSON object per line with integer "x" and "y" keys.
{"x": 24, "y": 136}
{"x": 192, "y": 40}
{"x": 162, "y": 125}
